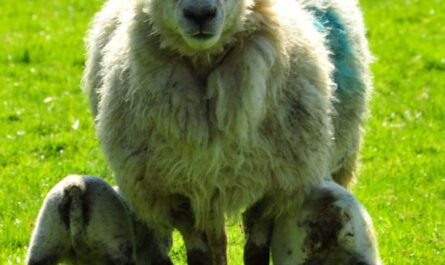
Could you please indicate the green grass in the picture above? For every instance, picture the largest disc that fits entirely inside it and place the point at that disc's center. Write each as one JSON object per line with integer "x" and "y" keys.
{"x": 402, "y": 182}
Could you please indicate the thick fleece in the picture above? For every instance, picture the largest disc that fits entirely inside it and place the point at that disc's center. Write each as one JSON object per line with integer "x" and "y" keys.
{"x": 254, "y": 116}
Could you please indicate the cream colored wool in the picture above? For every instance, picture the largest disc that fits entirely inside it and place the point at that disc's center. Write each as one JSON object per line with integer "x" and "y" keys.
{"x": 249, "y": 118}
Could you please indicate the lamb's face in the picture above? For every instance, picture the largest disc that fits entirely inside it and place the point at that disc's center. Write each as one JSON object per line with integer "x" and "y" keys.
{"x": 200, "y": 23}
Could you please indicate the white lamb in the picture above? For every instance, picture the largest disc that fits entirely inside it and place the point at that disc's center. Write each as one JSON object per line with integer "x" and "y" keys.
{"x": 85, "y": 221}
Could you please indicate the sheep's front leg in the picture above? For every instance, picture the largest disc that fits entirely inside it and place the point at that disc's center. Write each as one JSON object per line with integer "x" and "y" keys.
{"x": 198, "y": 251}
{"x": 196, "y": 244}
{"x": 203, "y": 247}
{"x": 258, "y": 233}
{"x": 217, "y": 242}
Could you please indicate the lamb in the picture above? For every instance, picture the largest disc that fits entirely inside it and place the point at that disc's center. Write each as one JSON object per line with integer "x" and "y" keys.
{"x": 84, "y": 221}
{"x": 207, "y": 108}
{"x": 332, "y": 227}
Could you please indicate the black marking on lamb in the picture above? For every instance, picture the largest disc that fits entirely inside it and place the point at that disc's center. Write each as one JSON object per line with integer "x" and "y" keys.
{"x": 86, "y": 208}
{"x": 71, "y": 196}
{"x": 64, "y": 209}
{"x": 325, "y": 225}
{"x": 323, "y": 231}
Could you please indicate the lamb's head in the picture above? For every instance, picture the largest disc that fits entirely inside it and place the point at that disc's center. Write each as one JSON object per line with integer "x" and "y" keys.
{"x": 198, "y": 24}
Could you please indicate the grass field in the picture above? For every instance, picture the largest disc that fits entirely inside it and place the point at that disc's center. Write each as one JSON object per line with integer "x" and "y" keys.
{"x": 46, "y": 131}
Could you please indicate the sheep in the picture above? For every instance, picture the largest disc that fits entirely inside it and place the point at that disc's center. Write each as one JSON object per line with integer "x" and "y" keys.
{"x": 208, "y": 108}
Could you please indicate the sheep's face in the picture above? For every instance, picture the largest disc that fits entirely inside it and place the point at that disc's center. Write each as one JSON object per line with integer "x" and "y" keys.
{"x": 199, "y": 23}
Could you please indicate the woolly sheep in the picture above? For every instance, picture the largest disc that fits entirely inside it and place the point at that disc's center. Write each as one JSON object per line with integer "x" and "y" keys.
{"x": 206, "y": 108}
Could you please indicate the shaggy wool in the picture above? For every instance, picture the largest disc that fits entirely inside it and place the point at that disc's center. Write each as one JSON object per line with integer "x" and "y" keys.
{"x": 269, "y": 111}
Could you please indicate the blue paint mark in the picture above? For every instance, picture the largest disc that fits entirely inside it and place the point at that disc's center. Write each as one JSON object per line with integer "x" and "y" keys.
{"x": 345, "y": 74}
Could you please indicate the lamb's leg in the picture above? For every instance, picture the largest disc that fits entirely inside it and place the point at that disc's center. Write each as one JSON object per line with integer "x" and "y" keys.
{"x": 332, "y": 227}
{"x": 258, "y": 234}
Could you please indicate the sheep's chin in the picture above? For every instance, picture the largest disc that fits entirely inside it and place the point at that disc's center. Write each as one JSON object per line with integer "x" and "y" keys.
{"x": 201, "y": 41}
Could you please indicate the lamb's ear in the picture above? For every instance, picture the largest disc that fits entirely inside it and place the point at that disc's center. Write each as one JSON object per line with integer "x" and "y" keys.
{"x": 49, "y": 235}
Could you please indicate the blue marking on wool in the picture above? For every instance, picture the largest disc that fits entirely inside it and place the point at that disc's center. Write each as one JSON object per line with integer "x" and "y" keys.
{"x": 328, "y": 22}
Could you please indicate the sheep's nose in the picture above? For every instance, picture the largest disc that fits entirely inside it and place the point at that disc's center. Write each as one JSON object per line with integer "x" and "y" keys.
{"x": 200, "y": 16}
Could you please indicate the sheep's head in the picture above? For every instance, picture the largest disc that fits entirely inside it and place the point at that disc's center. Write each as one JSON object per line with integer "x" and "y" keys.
{"x": 200, "y": 24}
